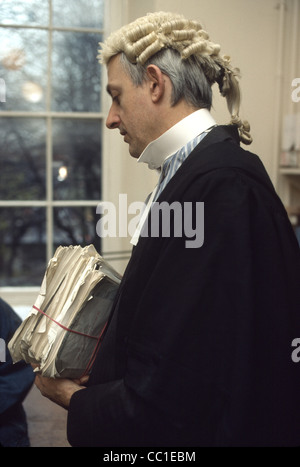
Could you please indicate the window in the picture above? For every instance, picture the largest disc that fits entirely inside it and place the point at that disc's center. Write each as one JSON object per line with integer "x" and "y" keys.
{"x": 50, "y": 131}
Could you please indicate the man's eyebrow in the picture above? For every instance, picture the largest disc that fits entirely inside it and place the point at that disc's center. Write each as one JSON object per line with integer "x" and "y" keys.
{"x": 110, "y": 88}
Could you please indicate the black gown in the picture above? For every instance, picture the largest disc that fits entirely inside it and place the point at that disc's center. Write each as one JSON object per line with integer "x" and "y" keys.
{"x": 198, "y": 351}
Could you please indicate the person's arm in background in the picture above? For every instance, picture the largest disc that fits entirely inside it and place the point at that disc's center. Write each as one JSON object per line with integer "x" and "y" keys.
{"x": 15, "y": 382}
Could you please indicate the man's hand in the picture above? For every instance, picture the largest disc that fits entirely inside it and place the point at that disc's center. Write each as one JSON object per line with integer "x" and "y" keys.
{"x": 59, "y": 390}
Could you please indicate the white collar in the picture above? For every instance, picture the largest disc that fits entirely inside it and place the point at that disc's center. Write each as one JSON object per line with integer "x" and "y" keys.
{"x": 176, "y": 137}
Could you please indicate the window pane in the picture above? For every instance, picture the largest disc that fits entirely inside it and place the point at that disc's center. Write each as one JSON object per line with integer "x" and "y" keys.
{"x": 75, "y": 226}
{"x": 76, "y": 159}
{"x": 78, "y": 13}
{"x": 22, "y": 156}
{"x": 75, "y": 72}
{"x": 35, "y": 12}
{"x": 22, "y": 246}
{"x": 23, "y": 66}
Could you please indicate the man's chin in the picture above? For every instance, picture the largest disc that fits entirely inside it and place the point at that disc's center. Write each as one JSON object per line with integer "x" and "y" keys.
{"x": 133, "y": 153}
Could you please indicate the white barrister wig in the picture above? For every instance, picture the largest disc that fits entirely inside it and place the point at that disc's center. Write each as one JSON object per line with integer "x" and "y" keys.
{"x": 144, "y": 37}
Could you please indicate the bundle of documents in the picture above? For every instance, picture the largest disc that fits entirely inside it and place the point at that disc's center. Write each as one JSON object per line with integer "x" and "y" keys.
{"x": 63, "y": 330}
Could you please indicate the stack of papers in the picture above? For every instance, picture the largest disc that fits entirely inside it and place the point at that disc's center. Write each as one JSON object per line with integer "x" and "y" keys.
{"x": 63, "y": 330}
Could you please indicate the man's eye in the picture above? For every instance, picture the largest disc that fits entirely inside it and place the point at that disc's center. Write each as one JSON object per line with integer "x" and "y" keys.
{"x": 116, "y": 99}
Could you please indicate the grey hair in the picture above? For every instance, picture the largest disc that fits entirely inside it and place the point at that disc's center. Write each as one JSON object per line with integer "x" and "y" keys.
{"x": 188, "y": 79}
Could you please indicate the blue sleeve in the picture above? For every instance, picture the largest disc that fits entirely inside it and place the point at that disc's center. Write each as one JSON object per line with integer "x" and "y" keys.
{"x": 15, "y": 379}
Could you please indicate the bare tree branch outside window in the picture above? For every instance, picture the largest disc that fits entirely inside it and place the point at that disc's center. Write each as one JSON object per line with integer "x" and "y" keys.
{"x": 50, "y": 131}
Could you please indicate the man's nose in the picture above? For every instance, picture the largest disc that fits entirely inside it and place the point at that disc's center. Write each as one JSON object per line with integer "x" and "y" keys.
{"x": 113, "y": 120}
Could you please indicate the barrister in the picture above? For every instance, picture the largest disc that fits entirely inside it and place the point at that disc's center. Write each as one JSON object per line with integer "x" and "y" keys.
{"x": 198, "y": 348}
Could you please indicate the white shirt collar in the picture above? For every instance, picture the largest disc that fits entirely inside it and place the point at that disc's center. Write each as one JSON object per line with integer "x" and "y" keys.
{"x": 176, "y": 137}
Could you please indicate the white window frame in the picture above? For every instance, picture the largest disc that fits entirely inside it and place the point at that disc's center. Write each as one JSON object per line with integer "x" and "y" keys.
{"x": 114, "y": 16}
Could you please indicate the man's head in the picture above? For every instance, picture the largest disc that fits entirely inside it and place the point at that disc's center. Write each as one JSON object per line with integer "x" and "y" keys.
{"x": 165, "y": 54}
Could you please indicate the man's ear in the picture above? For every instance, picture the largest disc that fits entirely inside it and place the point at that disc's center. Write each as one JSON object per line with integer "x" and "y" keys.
{"x": 157, "y": 82}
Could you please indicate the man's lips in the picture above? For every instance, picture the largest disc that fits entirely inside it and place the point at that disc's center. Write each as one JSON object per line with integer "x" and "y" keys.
{"x": 123, "y": 133}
